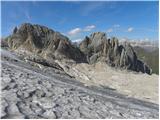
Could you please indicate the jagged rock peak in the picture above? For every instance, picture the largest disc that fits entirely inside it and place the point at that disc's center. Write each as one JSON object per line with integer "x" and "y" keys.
{"x": 98, "y": 48}
{"x": 51, "y": 45}
{"x": 43, "y": 41}
{"x": 28, "y": 29}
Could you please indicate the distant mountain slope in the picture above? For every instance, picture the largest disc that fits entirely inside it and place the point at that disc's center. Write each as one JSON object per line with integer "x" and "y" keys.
{"x": 150, "y": 57}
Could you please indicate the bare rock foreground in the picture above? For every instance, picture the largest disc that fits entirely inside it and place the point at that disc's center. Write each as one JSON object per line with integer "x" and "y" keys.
{"x": 30, "y": 92}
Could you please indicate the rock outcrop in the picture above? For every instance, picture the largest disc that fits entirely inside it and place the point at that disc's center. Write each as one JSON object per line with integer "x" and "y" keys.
{"x": 51, "y": 45}
{"x": 98, "y": 48}
{"x": 4, "y": 43}
{"x": 44, "y": 42}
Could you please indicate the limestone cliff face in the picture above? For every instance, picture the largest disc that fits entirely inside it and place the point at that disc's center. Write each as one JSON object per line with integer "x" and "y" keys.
{"x": 43, "y": 41}
{"x": 98, "y": 48}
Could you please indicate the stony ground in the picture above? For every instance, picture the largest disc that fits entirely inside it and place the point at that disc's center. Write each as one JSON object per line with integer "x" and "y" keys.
{"x": 30, "y": 92}
{"x": 122, "y": 81}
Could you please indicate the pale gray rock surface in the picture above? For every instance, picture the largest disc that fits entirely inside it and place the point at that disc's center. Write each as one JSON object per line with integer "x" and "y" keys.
{"x": 30, "y": 92}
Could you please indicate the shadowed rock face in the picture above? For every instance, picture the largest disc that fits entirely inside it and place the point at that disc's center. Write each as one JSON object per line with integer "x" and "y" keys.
{"x": 43, "y": 41}
{"x": 51, "y": 45}
{"x": 98, "y": 48}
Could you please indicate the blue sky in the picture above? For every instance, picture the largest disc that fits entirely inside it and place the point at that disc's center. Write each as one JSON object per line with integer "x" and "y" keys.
{"x": 133, "y": 20}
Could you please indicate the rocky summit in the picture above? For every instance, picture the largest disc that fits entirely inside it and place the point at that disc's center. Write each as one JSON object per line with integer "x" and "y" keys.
{"x": 44, "y": 42}
{"x": 98, "y": 48}
{"x": 51, "y": 45}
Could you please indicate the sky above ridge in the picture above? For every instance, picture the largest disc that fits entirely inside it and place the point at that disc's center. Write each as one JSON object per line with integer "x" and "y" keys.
{"x": 133, "y": 20}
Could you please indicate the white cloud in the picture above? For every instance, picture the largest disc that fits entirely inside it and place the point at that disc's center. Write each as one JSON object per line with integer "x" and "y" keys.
{"x": 74, "y": 31}
{"x": 130, "y": 29}
{"x": 89, "y": 28}
{"x": 110, "y": 30}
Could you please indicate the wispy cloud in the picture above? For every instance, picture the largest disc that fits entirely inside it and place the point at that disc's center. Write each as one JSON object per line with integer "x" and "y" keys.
{"x": 21, "y": 11}
{"x": 95, "y": 6}
{"x": 27, "y": 15}
{"x": 116, "y": 25}
{"x": 147, "y": 29}
{"x": 89, "y": 28}
{"x": 91, "y": 6}
{"x": 130, "y": 29}
{"x": 74, "y": 31}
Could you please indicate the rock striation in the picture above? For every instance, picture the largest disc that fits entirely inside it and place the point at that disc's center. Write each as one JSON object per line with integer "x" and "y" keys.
{"x": 98, "y": 48}
{"x": 51, "y": 45}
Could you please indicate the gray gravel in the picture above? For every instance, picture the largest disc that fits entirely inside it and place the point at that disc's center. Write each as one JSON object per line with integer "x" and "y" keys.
{"x": 28, "y": 92}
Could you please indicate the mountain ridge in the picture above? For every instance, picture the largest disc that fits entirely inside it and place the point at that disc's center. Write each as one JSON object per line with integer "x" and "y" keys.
{"x": 51, "y": 45}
